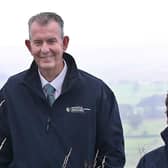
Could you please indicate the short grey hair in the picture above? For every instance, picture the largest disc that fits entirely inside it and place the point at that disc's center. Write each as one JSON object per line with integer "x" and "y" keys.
{"x": 44, "y": 18}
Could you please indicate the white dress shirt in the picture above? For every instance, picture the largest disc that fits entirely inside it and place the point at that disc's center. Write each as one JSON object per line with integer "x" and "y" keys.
{"x": 57, "y": 82}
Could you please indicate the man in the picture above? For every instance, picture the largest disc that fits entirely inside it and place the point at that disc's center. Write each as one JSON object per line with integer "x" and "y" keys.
{"x": 54, "y": 115}
{"x": 157, "y": 158}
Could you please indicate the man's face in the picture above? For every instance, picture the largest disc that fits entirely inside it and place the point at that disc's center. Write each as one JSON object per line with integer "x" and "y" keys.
{"x": 47, "y": 46}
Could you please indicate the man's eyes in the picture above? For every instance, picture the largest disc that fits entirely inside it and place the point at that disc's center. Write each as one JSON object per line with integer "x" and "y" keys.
{"x": 37, "y": 42}
{"x": 49, "y": 41}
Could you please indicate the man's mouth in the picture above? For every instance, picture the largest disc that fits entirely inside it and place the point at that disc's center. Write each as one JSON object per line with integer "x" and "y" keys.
{"x": 46, "y": 56}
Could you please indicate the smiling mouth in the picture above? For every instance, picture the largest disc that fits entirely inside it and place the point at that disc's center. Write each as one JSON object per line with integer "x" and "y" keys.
{"x": 45, "y": 57}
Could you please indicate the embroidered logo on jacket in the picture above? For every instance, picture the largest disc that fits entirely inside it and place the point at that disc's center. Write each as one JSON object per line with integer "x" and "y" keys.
{"x": 77, "y": 109}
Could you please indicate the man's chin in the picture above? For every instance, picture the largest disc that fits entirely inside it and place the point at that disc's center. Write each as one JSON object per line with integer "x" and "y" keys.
{"x": 47, "y": 67}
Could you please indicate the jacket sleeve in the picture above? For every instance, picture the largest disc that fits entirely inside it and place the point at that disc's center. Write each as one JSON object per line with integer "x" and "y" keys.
{"x": 110, "y": 140}
{"x": 5, "y": 145}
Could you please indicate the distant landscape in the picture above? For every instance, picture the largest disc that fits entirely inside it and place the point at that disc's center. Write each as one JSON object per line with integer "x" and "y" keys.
{"x": 142, "y": 111}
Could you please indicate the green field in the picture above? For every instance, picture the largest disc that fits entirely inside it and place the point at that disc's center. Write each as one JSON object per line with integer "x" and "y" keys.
{"x": 141, "y": 140}
{"x": 133, "y": 92}
{"x": 146, "y": 137}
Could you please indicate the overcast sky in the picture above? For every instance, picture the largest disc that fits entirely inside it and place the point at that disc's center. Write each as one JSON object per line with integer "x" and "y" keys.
{"x": 129, "y": 36}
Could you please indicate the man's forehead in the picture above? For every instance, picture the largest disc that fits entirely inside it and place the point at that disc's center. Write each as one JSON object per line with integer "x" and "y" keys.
{"x": 50, "y": 27}
{"x": 43, "y": 24}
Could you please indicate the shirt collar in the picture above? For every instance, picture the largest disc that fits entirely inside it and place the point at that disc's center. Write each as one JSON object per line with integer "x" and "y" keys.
{"x": 58, "y": 81}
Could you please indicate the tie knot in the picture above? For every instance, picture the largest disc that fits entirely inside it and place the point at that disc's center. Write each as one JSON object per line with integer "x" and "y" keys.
{"x": 49, "y": 89}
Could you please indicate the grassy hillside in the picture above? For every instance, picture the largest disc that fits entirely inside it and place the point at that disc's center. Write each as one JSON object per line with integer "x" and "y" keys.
{"x": 141, "y": 140}
{"x": 146, "y": 136}
{"x": 128, "y": 92}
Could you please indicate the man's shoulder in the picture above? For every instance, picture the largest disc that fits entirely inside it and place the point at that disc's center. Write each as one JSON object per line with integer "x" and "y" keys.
{"x": 156, "y": 157}
{"x": 94, "y": 82}
{"x": 13, "y": 81}
{"x": 156, "y": 152}
{"x": 89, "y": 77}
{"x": 17, "y": 77}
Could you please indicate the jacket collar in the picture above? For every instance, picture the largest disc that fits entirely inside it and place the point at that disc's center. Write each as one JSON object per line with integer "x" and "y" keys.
{"x": 164, "y": 135}
{"x": 72, "y": 74}
{"x": 32, "y": 79}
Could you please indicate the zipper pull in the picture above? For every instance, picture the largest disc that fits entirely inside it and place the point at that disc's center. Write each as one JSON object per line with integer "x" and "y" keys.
{"x": 48, "y": 124}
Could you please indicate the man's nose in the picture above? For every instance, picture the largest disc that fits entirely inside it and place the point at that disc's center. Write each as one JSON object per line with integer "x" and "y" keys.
{"x": 45, "y": 48}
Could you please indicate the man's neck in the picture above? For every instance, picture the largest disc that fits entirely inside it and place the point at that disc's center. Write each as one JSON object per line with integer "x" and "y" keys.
{"x": 51, "y": 74}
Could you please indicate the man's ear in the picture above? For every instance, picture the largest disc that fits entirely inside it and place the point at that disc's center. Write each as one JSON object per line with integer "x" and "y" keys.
{"x": 28, "y": 45}
{"x": 65, "y": 42}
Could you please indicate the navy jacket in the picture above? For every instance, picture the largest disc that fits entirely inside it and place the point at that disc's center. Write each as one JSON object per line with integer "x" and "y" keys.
{"x": 83, "y": 121}
{"x": 157, "y": 158}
